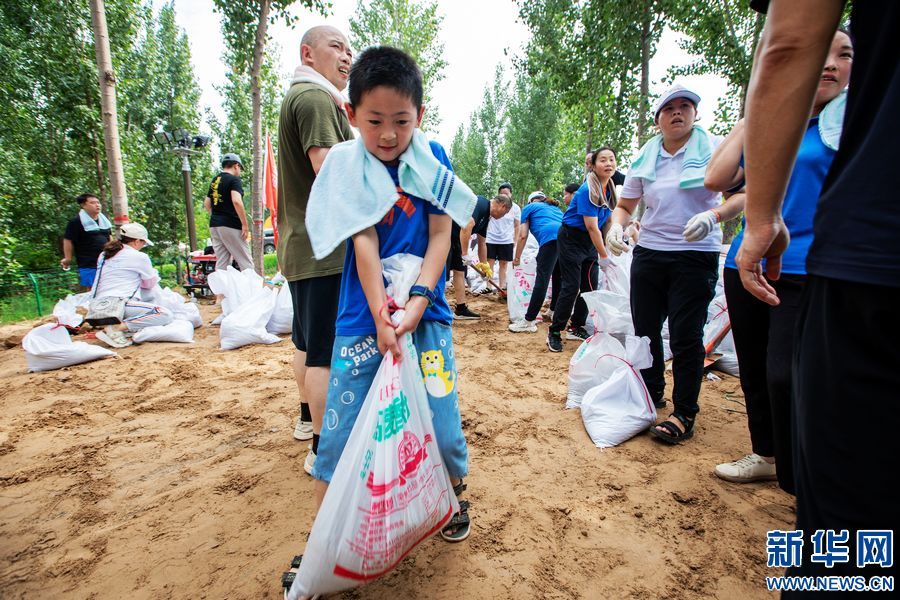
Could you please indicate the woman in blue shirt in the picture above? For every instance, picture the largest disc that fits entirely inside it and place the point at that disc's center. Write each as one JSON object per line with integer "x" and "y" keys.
{"x": 764, "y": 334}
{"x": 580, "y": 242}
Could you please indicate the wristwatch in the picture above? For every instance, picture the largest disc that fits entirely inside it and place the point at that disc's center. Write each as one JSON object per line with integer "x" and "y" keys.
{"x": 421, "y": 290}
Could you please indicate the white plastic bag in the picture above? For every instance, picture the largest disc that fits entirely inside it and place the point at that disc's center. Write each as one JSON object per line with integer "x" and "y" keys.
{"x": 282, "y": 319}
{"x": 519, "y": 284}
{"x": 390, "y": 489}
{"x": 180, "y": 307}
{"x": 65, "y": 313}
{"x": 236, "y": 287}
{"x": 179, "y": 330}
{"x": 621, "y": 407}
{"x": 50, "y": 347}
{"x": 596, "y": 358}
{"x": 247, "y": 323}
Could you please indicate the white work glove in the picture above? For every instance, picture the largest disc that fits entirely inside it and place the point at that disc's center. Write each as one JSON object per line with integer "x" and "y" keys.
{"x": 700, "y": 225}
{"x": 605, "y": 263}
{"x": 615, "y": 240}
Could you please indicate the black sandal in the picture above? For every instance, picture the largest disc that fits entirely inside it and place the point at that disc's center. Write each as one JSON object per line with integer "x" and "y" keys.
{"x": 288, "y": 577}
{"x": 672, "y": 434}
{"x": 458, "y": 528}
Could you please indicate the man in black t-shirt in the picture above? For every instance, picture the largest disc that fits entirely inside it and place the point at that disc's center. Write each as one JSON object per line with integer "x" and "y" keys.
{"x": 85, "y": 236}
{"x": 227, "y": 219}
{"x": 459, "y": 247}
{"x": 845, "y": 364}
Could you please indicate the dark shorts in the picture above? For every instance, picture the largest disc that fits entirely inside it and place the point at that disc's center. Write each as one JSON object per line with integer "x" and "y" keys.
{"x": 500, "y": 251}
{"x": 315, "y": 303}
{"x": 454, "y": 259}
{"x": 86, "y": 276}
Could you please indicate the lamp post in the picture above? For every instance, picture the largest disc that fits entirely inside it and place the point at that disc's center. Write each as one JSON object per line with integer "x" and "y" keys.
{"x": 183, "y": 144}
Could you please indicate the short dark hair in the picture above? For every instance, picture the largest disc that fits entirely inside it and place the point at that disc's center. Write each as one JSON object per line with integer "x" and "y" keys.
{"x": 505, "y": 185}
{"x": 230, "y": 163}
{"x": 387, "y": 66}
{"x": 597, "y": 152}
{"x": 84, "y": 198}
{"x": 572, "y": 187}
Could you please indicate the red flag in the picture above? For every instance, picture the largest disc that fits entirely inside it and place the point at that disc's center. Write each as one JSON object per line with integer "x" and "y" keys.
{"x": 271, "y": 187}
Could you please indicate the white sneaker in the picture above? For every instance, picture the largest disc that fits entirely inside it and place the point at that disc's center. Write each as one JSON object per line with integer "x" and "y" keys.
{"x": 310, "y": 461}
{"x": 522, "y": 326}
{"x": 113, "y": 337}
{"x": 303, "y": 430}
{"x": 744, "y": 470}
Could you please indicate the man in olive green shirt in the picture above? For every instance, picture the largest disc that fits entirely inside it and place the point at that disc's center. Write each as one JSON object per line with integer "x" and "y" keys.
{"x": 312, "y": 120}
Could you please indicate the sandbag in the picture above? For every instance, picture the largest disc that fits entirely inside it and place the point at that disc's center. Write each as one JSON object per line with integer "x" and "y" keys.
{"x": 50, "y": 347}
{"x": 390, "y": 489}
{"x": 66, "y": 313}
{"x": 178, "y": 305}
{"x": 621, "y": 407}
{"x": 519, "y": 284}
{"x": 282, "y": 319}
{"x": 179, "y": 330}
{"x": 592, "y": 363}
{"x": 236, "y": 287}
{"x": 247, "y": 323}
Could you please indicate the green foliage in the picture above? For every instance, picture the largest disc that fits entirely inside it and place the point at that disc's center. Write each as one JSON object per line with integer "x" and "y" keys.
{"x": 51, "y": 137}
{"x": 414, "y": 27}
{"x": 468, "y": 153}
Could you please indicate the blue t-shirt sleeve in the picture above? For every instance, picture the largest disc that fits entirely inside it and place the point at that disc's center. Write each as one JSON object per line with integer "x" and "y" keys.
{"x": 440, "y": 154}
{"x": 583, "y": 204}
{"x": 526, "y": 213}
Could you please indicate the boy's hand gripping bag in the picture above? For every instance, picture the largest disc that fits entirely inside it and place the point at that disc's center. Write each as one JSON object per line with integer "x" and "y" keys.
{"x": 390, "y": 489}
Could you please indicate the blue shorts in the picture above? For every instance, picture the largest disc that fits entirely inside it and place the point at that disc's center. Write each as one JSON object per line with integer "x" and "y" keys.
{"x": 354, "y": 362}
{"x": 86, "y": 276}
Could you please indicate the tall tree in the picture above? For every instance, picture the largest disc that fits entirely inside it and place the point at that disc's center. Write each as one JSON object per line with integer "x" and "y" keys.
{"x": 414, "y": 27}
{"x": 492, "y": 120}
{"x": 107, "y": 79}
{"x": 468, "y": 153}
{"x": 245, "y": 26}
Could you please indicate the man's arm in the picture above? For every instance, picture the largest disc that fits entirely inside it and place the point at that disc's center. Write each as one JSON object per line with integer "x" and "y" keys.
{"x": 68, "y": 252}
{"x": 482, "y": 249}
{"x": 368, "y": 267}
{"x": 207, "y": 205}
{"x": 317, "y": 156}
{"x": 242, "y": 215}
{"x": 724, "y": 169}
{"x": 787, "y": 68}
{"x": 520, "y": 242}
{"x": 432, "y": 268}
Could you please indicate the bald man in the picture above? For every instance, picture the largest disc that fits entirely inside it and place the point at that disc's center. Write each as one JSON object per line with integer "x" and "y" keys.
{"x": 312, "y": 120}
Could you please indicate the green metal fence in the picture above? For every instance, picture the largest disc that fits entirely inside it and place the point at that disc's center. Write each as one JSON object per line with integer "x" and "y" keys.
{"x": 33, "y": 293}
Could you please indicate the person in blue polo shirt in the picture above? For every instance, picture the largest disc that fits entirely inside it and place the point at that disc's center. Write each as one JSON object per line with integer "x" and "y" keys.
{"x": 580, "y": 242}
{"x": 542, "y": 220}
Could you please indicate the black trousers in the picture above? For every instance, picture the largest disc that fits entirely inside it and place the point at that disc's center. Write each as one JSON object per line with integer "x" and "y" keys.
{"x": 678, "y": 285}
{"x": 578, "y": 273}
{"x": 764, "y": 338}
{"x": 846, "y": 396}
{"x": 547, "y": 271}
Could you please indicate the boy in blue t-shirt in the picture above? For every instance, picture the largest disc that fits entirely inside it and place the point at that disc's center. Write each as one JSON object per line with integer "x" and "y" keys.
{"x": 386, "y": 106}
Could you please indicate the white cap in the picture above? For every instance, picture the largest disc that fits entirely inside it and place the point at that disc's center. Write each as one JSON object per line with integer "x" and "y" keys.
{"x": 136, "y": 231}
{"x": 534, "y": 195}
{"x": 676, "y": 91}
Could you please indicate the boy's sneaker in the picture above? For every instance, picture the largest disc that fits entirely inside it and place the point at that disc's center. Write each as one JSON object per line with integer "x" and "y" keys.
{"x": 744, "y": 470}
{"x": 485, "y": 292}
{"x": 303, "y": 430}
{"x": 310, "y": 461}
{"x": 577, "y": 333}
{"x": 522, "y": 326}
{"x": 462, "y": 313}
{"x": 554, "y": 341}
{"x": 113, "y": 337}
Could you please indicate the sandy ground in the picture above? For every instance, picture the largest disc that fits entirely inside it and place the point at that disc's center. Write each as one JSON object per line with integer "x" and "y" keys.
{"x": 171, "y": 472}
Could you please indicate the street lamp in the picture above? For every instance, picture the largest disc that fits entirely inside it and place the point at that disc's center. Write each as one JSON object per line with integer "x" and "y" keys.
{"x": 183, "y": 144}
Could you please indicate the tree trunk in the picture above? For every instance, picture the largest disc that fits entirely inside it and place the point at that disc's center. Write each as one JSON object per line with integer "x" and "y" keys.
{"x": 95, "y": 155}
{"x": 258, "y": 175}
{"x": 644, "y": 106}
{"x": 107, "y": 79}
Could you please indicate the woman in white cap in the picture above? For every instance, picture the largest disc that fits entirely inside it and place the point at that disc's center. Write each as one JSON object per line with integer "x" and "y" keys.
{"x": 122, "y": 272}
{"x": 670, "y": 276}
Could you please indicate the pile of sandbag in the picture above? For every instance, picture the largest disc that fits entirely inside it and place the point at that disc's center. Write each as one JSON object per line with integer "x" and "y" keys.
{"x": 181, "y": 308}
{"x": 248, "y": 307}
{"x": 50, "y": 347}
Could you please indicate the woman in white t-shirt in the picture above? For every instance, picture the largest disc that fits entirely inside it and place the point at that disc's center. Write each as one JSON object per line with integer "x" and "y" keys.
{"x": 122, "y": 272}
{"x": 670, "y": 276}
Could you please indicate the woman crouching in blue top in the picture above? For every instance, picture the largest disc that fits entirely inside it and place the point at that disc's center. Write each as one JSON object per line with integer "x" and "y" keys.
{"x": 676, "y": 261}
{"x": 580, "y": 243}
{"x": 764, "y": 334}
